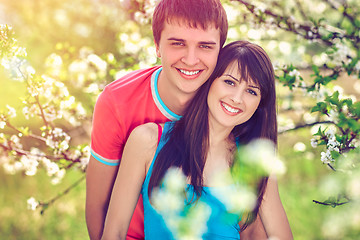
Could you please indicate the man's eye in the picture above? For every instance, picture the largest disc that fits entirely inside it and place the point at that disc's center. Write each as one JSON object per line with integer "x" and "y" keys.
{"x": 206, "y": 46}
{"x": 229, "y": 82}
{"x": 177, "y": 44}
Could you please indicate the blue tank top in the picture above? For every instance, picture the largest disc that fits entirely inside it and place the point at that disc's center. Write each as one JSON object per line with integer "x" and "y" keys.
{"x": 220, "y": 225}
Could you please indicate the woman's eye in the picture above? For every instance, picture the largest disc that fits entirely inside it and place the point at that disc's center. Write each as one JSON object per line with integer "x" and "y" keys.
{"x": 252, "y": 92}
{"x": 229, "y": 82}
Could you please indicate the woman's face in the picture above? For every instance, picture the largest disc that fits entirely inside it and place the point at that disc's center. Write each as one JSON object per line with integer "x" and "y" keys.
{"x": 232, "y": 100}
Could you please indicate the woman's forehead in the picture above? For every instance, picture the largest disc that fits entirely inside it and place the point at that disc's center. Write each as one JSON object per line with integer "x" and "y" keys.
{"x": 235, "y": 70}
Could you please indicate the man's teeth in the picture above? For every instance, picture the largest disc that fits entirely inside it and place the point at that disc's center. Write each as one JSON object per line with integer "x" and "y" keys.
{"x": 230, "y": 109}
{"x": 190, "y": 73}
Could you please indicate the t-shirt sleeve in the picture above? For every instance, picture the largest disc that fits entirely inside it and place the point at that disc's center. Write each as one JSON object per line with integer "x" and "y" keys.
{"x": 107, "y": 142}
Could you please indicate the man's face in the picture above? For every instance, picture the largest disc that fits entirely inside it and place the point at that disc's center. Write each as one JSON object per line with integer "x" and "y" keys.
{"x": 188, "y": 55}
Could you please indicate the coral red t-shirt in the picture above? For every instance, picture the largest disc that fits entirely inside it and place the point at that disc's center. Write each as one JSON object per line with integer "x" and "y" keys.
{"x": 123, "y": 105}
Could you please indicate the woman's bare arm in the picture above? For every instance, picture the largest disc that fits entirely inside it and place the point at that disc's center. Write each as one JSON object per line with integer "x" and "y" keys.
{"x": 272, "y": 213}
{"x": 138, "y": 153}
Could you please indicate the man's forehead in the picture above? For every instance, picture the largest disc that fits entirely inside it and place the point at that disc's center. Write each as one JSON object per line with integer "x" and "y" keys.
{"x": 189, "y": 23}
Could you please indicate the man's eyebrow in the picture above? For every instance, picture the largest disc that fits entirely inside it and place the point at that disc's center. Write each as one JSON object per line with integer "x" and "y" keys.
{"x": 208, "y": 42}
{"x": 182, "y": 40}
{"x": 176, "y": 39}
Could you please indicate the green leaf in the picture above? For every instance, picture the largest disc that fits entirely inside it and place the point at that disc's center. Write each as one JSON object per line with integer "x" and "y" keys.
{"x": 320, "y": 107}
{"x": 315, "y": 69}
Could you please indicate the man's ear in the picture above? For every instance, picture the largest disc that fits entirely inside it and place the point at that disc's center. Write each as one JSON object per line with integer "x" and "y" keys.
{"x": 157, "y": 50}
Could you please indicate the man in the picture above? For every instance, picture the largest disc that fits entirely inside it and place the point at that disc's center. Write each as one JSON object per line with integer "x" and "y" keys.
{"x": 188, "y": 35}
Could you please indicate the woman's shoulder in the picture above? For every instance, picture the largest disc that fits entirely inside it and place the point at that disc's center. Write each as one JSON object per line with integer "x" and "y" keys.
{"x": 146, "y": 133}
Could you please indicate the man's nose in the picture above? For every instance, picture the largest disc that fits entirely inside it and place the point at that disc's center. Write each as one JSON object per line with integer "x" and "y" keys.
{"x": 190, "y": 57}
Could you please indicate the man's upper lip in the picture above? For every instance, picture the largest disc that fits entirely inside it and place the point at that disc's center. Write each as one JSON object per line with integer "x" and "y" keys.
{"x": 189, "y": 70}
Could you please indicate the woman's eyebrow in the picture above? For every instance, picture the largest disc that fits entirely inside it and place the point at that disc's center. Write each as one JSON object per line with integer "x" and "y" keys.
{"x": 238, "y": 80}
{"x": 253, "y": 86}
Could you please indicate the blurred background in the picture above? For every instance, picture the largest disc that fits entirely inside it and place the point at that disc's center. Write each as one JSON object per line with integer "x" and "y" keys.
{"x": 59, "y": 54}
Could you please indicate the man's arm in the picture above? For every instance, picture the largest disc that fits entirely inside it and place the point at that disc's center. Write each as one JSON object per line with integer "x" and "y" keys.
{"x": 99, "y": 183}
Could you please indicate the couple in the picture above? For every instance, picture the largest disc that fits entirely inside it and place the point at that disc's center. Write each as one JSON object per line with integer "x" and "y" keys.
{"x": 237, "y": 102}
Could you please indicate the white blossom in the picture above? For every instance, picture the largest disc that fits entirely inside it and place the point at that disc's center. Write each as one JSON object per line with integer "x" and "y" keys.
{"x": 50, "y": 142}
{"x": 67, "y": 103}
{"x": 59, "y": 175}
{"x": 11, "y": 111}
{"x": 261, "y": 153}
{"x": 9, "y": 168}
{"x": 334, "y": 116}
{"x": 314, "y": 142}
{"x": 54, "y": 63}
{"x": 100, "y": 64}
{"x": 30, "y": 164}
{"x": 32, "y": 204}
{"x": 326, "y": 157}
{"x": 2, "y": 124}
{"x": 300, "y": 147}
{"x": 84, "y": 161}
{"x": 16, "y": 141}
{"x": 64, "y": 145}
{"x": 51, "y": 168}
{"x": 175, "y": 180}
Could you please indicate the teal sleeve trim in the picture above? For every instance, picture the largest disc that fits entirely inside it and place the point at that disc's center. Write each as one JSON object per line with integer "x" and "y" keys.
{"x": 174, "y": 115}
{"x": 103, "y": 161}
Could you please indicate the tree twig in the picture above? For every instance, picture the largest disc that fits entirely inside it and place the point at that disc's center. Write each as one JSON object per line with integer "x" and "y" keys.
{"x": 45, "y": 205}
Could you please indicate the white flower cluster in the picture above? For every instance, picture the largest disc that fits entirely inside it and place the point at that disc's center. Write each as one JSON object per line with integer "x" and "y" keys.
{"x": 144, "y": 17}
{"x": 30, "y": 163}
{"x": 55, "y": 100}
{"x": 88, "y": 67}
{"x": 261, "y": 154}
{"x": 332, "y": 145}
{"x": 11, "y": 112}
{"x": 169, "y": 201}
{"x": 58, "y": 140}
{"x": 81, "y": 153}
{"x": 314, "y": 142}
{"x": 27, "y": 163}
{"x": 342, "y": 54}
{"x": 54, "y": 64}
{"x": 285, "y": 123}
{"x": 15, "y": 142}
{"x": 236, "y": 197}
{"x": 2, "y": 124}
{"x": 53, "y": 170}
{"x": 32, "y": 203}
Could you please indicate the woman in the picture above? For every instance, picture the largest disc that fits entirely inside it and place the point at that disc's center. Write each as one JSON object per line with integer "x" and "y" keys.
{"x": 236, "y": 105}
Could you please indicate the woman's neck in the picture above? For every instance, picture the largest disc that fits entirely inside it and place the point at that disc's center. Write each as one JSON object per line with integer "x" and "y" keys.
{"x": 220, "y": 155}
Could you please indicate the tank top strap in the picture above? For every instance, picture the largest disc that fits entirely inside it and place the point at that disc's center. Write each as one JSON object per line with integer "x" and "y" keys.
{"x": 159, "y": 132}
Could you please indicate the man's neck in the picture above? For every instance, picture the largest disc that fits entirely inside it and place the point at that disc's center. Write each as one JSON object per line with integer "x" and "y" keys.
{"x": 172, "y": 97}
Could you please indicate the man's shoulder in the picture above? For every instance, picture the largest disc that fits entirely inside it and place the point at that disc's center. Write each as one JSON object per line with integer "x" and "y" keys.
{"x": 133, "y": 78}
{"x": 134, "y": 86}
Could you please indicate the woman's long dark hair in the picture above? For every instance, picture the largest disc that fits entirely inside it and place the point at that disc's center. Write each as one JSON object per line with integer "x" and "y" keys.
{"x": 188, "y": 141}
